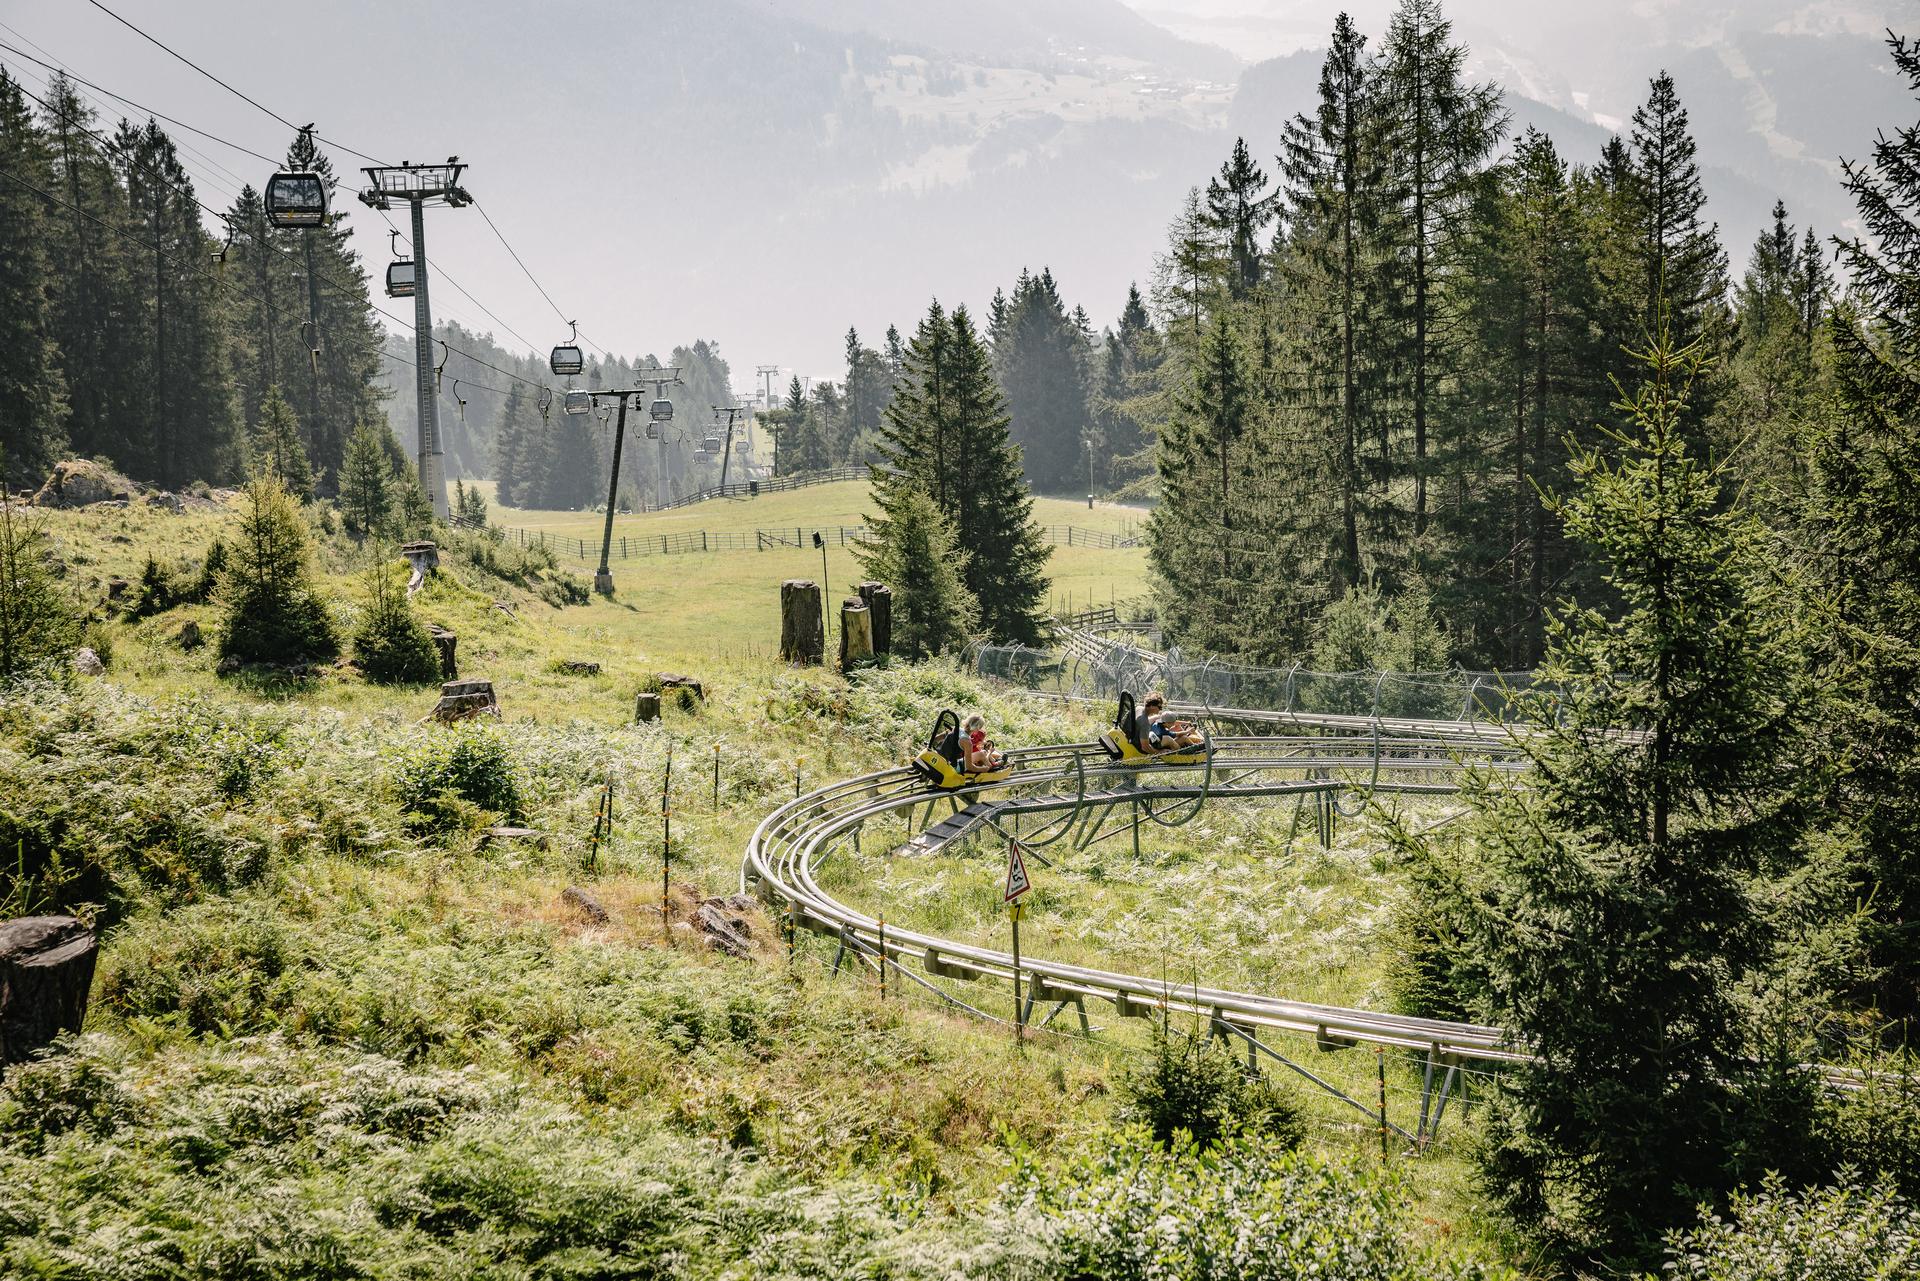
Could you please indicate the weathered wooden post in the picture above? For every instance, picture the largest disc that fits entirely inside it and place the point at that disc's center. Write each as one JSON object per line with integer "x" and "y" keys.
{"x": 46, "y": 971}
{"x": 803, "y": 637}
{"x": 879, "y": 601}
{"x": 446, "y": 643}
{"x": 646, "y": 707}
{"x": 856, "y": 634}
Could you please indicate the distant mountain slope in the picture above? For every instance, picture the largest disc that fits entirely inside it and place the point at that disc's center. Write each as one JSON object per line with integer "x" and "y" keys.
{"x": 1021, "y": 32}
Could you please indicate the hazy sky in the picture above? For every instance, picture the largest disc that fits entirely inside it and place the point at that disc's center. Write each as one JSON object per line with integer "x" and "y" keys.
{"x": 554, "y": 109}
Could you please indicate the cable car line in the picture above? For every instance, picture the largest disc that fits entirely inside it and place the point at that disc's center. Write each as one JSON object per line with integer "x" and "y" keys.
{"x": 355, "y": 289}
{"x": 195, "y": 268}
{"x": 223, "y": 84}
{"x": 221, "y": 215}
{"x": 536, "y": 283}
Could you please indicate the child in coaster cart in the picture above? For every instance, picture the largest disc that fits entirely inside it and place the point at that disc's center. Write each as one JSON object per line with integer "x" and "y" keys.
{"x": 980, "y": 755}
{"x": 1164, "y": 735}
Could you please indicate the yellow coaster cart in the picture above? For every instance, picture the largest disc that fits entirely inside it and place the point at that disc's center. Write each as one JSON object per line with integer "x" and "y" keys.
{"x": 943, "y": 762}
{"x": 1127, "y": 742}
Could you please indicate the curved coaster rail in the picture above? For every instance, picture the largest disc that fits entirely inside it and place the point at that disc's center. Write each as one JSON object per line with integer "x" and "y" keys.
{"x": 1406, "y": 758}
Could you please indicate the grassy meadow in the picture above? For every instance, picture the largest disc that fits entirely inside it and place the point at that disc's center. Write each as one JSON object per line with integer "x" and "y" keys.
{"x": 340, "y": 1031}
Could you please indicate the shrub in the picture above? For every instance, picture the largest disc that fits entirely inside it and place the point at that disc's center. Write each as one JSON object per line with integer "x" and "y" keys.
{"x": 36, "y": 625}
{"x": 1193, "y": 1086}
{"x": 1248, "y": 1210}
{"x": 393, "y": 646}
{"x": 160, "y": 590}
{"x": 61, "y": 1094}
{"x": 272, "y": 607}
{"x": 212, "y": 566}
{"x": 471, "y": 766}
{"x": 1852, "y": 1232}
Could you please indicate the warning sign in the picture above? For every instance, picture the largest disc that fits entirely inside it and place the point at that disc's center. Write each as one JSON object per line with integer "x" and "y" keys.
{"x": 1017, "y": 882}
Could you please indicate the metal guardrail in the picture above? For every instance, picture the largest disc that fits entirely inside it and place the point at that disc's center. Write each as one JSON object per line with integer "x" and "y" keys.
{"x": 1327, "y": 757}
{"x": 768, "y": 538}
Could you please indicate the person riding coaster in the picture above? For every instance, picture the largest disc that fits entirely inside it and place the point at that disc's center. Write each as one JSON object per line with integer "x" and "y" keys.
{"x": 952, "y": 759}
{"x": 1146, "y": 737}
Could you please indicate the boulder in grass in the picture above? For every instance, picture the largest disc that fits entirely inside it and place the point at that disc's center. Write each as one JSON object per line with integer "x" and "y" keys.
{"x": 81, "y": 482}
{"x": 88, "y": 663}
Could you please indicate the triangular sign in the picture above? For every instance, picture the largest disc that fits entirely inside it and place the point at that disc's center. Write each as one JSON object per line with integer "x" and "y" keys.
{"x": 1017, "y": 882}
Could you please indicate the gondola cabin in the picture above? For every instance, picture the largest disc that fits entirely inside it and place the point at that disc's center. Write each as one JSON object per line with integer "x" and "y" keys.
{"x": 661, "y": 411}
{"x": 578, "y": 402}
{"x": 711, "y": 445}
{"x": 297, "y": 200}
{"x": 400, "y": 279}
{"x": 653, "y": 431}
{"x": 565, "y": 360}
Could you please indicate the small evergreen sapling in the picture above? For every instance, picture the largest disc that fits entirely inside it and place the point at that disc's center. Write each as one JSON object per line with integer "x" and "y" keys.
{"x": 271, "y": 607}
{"x": 912, "y": 549}
{"x": 36, "y": 624}
{"x": 392, "y": 645}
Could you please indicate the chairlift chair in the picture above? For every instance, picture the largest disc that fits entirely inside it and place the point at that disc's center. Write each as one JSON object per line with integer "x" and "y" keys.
{"x": 297, "y": 200}
{"x": 578, "y": 402}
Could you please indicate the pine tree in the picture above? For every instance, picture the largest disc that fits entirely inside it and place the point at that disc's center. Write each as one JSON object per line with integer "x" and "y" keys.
{"x": 1238, "y": 211}
{"x": 1441, "y": 132}
{"x": 1862, "y": 529}
{"x": 1773, "y": 384}
{"x": 33, "y": 406}
{"x": 1682, "y": 266}
{"x": 36, "y": 623}
{"x": 1531, "y": 379}
{"x": 1606, "y": 905}
{"x": 1334, "y": 175}
{"x": 270, "y": 604}
{"x": 366, "y": 483}
{"x": 1042, "y": 367}
{"x": 277, "y": 451}
{"x": 1191, "y": 276}
{"x": 1129, "y": 395}
{"x": 392, "y": 646}
{"x": 912, "y": 549}
{"x": 946, "y": 436}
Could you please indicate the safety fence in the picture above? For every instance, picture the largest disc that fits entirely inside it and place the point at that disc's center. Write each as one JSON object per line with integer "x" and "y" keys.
{"x": 773, "y": 485}
{"x": 1088, "y": 664}
{"x": 630, "y": 546}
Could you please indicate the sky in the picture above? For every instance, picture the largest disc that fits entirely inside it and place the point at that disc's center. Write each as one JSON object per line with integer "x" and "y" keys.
{"x": 583, "y": 154}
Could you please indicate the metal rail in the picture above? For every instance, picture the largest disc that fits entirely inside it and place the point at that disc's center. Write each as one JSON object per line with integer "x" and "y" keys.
{"x": 1417, "y": 758}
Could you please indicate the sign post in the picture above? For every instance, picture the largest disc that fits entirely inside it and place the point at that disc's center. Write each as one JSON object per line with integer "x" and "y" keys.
{"x": 1018, "y": 883}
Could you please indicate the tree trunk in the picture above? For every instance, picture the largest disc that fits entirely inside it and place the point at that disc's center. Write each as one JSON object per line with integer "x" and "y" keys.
{"x": 46, "y": 971}
{"x": 879, "y": 602}
{"x": 856, "y": 634}
{"x": 803, "y": 637}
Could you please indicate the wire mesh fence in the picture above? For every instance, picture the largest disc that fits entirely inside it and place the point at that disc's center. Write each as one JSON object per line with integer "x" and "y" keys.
{"x": 1088, "y": 664}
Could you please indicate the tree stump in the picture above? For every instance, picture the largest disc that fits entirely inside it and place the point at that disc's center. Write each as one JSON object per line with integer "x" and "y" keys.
{"x": 460, "y": 700}
{"x": 446, "y": 642}
{"x": 803, "y": 636}
{"x": 46, "y": 971}
{"x": 856, "y": 634}
{"x": 646, "y": 707}
{"x": 879, "y": 602}
{"x": 424, "y": 557}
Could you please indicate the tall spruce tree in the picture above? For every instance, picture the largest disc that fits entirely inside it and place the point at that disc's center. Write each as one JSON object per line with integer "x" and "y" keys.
{"x": 1532, "y": 380}
{"x": 1607, "y": 907}
{"x": 1441, "y": 132}
{"x": 1862, "y": 529}
{"x": 33, "y": 404}
{"x": 1128, "y": 396}
{"x": 912, "y": 548}
{"x": 1238, "y": 212}
{"x": 1330, "y": 267}
{"x": 946, "y": 436}
{"x": 366, "y": 483}
{"x": 1774, "y": 383}
{"x": 277, "y": 449}
{"x": 1682, "y": 268}
{"x": 1191, "y": 276}
{"x": 1042, "y": 367}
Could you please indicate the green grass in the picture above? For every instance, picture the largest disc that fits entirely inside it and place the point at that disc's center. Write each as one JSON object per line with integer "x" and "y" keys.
{"x": 728, "y": 602}
{"x": 338, "y": 1031}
